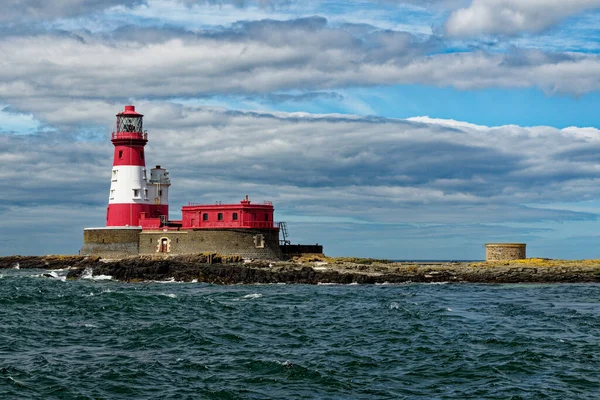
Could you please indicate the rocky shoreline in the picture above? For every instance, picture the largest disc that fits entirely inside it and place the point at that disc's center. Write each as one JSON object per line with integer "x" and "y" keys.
{"x": 314, "y": 270}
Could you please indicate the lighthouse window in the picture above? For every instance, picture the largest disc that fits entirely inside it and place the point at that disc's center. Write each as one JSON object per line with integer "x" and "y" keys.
{"x": 235, "y": 216}
{"x": 120, "y": 153}
{"x": 160, "y": 192}
{"x": 204, "y": 217}
{"x": 129, "y": 124}
{"x": 114, "y": 174}
{"x": 136, "y": 193}
{"x": 220, "y": 216}
{"x": 266, "y": 217}
{"x": 112, "y": 194}
{"x": 146, "y": 194}
{"x": 142, "y": 154}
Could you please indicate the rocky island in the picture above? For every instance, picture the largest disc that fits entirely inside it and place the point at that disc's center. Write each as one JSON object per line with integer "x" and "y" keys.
{"x": 214, "y": 268}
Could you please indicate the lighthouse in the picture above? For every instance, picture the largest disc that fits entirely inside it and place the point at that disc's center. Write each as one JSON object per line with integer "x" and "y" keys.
{"x": 134, "y": 193}
{"x": 137, "y": 218}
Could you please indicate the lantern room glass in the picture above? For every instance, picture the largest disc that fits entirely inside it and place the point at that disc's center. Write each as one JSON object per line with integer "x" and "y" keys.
{"x": 129, "y": 124}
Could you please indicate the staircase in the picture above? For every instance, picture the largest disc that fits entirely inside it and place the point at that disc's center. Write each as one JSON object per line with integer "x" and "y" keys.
{"x": 284, "y": 234}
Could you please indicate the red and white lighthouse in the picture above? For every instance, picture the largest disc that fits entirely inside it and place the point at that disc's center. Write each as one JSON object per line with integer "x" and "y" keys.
{"x": 133, "y": 192}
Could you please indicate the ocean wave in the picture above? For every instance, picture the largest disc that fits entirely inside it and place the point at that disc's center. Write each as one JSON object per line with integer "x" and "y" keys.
{"x": 252, "y": 296}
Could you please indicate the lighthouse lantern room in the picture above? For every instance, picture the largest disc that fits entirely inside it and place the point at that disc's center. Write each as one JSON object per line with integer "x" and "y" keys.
{"x": 134, "y": 192}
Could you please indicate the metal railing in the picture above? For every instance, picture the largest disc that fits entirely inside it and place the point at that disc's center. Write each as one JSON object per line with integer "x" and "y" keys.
{"x": 219, "y": 203}
{"x": 130, "y": 135}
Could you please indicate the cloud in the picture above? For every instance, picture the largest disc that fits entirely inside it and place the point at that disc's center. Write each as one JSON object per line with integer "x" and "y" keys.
{"x": 35, "y": 10}
{"x": 512, "y": 17}
{"x": 310, "y": 162}
{"x": 40, "y": 72}
{"x": 240, "y": 3}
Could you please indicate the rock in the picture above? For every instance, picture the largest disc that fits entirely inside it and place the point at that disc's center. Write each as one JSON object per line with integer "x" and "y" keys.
{"x": 232, "y": 270}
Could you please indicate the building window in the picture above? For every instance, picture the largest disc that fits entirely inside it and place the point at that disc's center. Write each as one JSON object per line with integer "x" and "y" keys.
{"x": 136, "y": 193}
{"x": 160, "y": 192}
{"x": 146, "y": 194}
{"x": 235, "y": 216}
{"x": 266, "y": 217}
{"x": 204, "y": 217}
{"x": 220, "y": 216}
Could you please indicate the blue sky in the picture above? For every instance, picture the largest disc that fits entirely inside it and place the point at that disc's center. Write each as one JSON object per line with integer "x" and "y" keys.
{"x": 379, "y": 128}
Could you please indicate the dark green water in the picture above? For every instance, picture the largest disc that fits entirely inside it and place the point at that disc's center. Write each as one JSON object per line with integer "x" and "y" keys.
{"x": 107, "y": 340}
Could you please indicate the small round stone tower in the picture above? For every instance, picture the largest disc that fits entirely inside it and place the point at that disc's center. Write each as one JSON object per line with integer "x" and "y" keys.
{"x": 505, "y": 251}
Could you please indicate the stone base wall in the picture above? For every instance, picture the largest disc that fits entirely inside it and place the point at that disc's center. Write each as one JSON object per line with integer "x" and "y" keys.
{"x": 248, "y": 243}
{"x": 111, "y": 242}
{"x": 505, "y": 251}
{"x": 297, "y": 250}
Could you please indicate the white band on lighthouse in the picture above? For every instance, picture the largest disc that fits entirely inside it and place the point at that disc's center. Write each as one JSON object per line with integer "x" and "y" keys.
{"x": 129, "y": 185}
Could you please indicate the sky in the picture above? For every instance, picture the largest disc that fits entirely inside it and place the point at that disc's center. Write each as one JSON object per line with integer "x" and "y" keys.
{"x": 398, "y": 129}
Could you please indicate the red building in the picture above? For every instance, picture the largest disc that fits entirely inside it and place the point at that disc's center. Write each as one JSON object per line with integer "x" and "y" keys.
{"x": 242, "y": 215}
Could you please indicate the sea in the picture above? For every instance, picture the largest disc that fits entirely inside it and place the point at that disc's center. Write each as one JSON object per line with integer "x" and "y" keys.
{"x": 95, "y": 338}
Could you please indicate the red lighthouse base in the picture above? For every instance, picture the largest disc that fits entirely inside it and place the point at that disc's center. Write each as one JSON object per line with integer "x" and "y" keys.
{"x": 134, "y": 214}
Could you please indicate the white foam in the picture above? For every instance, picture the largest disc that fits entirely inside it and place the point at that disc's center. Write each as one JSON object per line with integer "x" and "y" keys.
{"x": 319, "y": 268}
{"x": 394, "y": 306}
{"x": 54, "y": 275}
{"x": 169, "y": 280}
{"x": 286, "y": 363}
{"x": 87, "y": 273}
{"x": 17, "y": 266}
{"x": 90, "y": 326}
{"x": 102, "y": 277}
{"x": 170, "y": 295}
{"x": 253, "y": 296}
{"x": 194, "y": 280}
